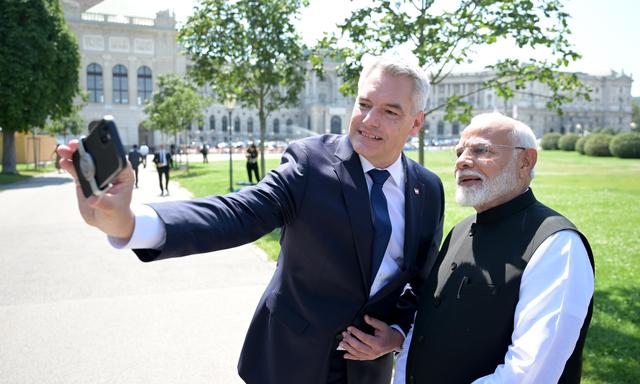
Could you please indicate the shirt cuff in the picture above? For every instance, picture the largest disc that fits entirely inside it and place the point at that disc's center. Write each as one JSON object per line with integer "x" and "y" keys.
{"x": 148, "y": 230}
{"x": 397, "y": 328}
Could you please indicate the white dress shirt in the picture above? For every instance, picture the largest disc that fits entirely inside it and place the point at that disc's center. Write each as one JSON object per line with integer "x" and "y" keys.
{"x": 555, "y": 291}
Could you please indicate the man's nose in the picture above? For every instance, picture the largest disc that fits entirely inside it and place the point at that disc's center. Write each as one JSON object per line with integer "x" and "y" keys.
{"x": 465, "y": 160}
{"x": 371, "y": 118}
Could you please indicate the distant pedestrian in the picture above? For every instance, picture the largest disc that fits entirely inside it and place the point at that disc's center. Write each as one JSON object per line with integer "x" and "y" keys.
{"x": 205, "y": 153}
{"x": 135, "y": 158}
{"x": 57, "y": 160}
{"x": 144, "y": 151}
{"x": 252, "y": 163}
{"x": 162, "y": 159}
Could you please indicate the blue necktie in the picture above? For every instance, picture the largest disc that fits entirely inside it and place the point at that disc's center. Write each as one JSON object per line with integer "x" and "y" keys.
{"x": 381, "y": 220}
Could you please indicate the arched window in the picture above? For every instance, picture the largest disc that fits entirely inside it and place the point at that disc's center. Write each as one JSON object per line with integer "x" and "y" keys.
{"x": 145, "y": 84}
{"x": 276, "y": 126}
{"x": 455, "y": 129}
{"x": 120, "y": 85}
{"x": 440, "y": 128}
{"x": 225, "y": 123}
{"x": 236, "y": 124}
{"x": 212, "y": 123}
{"x": 94, "y": 83}
{"x": 289, "y": 127}
{"x": 336, "y": 124}
{"x": 250, "y": 125}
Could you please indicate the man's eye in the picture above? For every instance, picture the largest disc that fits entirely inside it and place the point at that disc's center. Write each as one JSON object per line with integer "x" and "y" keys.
{"x": 480, "y": 150}
{"x": 363, "y": 105}
{"x": 392, "y": 113}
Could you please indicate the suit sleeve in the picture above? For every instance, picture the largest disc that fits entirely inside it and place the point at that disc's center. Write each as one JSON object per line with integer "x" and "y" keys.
{"x": 219, "y": 222}
{"x": 408, "y": 301}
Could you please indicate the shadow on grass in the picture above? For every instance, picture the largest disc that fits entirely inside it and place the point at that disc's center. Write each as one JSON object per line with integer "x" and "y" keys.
{"x": 613, "y": 343}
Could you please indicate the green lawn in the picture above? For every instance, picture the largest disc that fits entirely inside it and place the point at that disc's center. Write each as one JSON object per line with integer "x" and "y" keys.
{"x": 26, "y": 171}
{"x": 600, "y": 195}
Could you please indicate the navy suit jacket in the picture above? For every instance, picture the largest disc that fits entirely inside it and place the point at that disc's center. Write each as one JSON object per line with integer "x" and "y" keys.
{"x": 319, "y": 197}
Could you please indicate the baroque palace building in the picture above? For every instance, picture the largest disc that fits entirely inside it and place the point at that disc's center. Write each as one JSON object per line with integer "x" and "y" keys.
{"x": 122, "y": 57}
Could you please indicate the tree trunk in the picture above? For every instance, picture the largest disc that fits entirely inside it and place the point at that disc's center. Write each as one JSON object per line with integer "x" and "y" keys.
{"x": 263, "y": 131}
{"x": 421, "y": 146}
{"x": 9, "y": 152}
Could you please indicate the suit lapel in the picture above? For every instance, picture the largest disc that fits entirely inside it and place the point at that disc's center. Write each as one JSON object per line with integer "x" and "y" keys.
{"x": 356, "y": 196}
{"x": 414, "y": 198}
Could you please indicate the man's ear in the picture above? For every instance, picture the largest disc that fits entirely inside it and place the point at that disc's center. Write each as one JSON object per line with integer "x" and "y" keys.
{"x": 528, "y": 161}
{"x": 417, "y": 124}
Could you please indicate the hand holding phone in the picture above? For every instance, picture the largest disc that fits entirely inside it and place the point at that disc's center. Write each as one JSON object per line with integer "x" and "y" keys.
{"x": 100, "y": 157}
{"x": 110, "y": 212}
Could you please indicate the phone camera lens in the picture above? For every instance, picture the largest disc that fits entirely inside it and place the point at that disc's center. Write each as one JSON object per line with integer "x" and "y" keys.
{"x": 105, "y": 138}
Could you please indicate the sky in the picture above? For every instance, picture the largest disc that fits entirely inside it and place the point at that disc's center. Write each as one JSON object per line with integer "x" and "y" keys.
{"x": 603, "y": 32}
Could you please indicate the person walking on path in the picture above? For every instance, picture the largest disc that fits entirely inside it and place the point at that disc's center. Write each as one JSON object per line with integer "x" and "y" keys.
{"x": 144, "y": 151}
{"x": 205, "y": 153}
{"x": 162, "y": 159}
{"x": 135, "y": 158}
{"x": 252, "y": 163}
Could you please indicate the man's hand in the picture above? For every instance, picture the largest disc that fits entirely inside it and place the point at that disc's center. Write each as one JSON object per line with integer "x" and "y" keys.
{"x": 111, "y": 212}
{"x": 362, "y": 346}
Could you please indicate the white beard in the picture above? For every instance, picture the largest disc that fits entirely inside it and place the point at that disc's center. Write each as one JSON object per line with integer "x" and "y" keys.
{"x": 489, "y": 189}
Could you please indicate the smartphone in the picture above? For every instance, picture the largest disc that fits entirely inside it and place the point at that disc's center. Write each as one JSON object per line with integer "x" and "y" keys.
{"x": 100, "y": 157}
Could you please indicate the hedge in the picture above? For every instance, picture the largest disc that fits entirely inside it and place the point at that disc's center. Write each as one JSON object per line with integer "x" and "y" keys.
{"x": 598, "y": 145}
{"x": 626, "y": 145}
{"x": 568, "y": 142}
{"x": 580, "y": 144}
{"x": 550, "y": 141}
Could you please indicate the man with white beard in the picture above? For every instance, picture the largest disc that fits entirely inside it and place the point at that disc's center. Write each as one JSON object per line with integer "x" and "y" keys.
{"x": 509, "y": 299}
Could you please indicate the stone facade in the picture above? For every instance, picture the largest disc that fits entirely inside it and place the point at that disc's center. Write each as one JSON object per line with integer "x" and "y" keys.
{"x": 610, "y": 105}
{"x": 122, "y": 57}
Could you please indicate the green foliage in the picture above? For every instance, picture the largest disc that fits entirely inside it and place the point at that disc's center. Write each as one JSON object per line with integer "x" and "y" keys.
{"x": 39, "y": 66}
{"x": 175, "y": 106}
{"x": 580, "y": 144}
{"x": 442, "y": 39}
{"x": 597, "y": 144}
{"x": 71, "y": 124}
{"x": 568, "y": 142}
{"x": 626, "y": 145}
{"x": 635, "y": 114}
{"x": 550, "y": 141}
{"x": 606, "y": 131}
{"x": 250, "y": 51}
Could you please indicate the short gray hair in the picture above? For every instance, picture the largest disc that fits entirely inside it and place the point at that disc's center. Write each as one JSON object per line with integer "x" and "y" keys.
{"x": 523, "y": 136}
{"x": 395, "y": 64}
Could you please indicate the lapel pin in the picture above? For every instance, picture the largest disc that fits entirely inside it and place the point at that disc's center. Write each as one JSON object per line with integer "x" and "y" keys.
{"x": 416, "y": 191}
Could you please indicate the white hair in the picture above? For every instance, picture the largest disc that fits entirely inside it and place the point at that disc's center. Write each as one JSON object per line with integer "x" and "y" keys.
{"x": 521, "y": 135}
{"x": 397, "y": 64}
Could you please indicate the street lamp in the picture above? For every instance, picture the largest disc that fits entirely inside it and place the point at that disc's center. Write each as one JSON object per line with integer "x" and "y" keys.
{"x": 579, "y": 128}
{"x": 230, "y": 105}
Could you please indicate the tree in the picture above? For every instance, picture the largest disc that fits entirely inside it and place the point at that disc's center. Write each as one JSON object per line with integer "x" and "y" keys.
{"x": 635, "y": 114}
{"x": 71, "y": 124}
{"x": 442, "y": 39}
{"x": 175, "y": 106}
{"x": 39, "y": 64}
{"x": 250, "y": 51}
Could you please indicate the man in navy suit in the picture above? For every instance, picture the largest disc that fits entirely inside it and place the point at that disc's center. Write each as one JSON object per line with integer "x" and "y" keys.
{"x": 347, "y": 254}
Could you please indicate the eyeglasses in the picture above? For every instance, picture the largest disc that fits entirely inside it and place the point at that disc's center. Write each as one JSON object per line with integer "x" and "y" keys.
{"x": 483, "y": 151}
